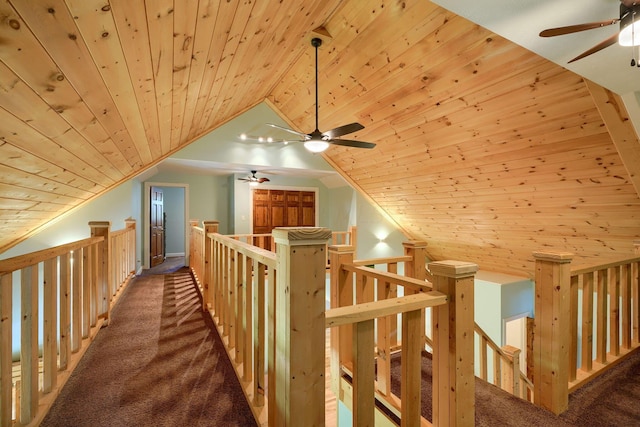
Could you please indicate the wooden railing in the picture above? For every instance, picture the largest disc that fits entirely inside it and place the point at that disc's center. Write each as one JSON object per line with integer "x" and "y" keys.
{"x": 78, "y": 283}
{"x": 279, "y": 355}
{"x": 605, "y": 315}
{"x": 265, "y": 241}
{"x": 366, "y": 299}
{"x": 506, "y": 370}
{"x": 586, "y": 321}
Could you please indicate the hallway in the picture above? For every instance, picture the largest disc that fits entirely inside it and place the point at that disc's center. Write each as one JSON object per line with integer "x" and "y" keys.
{"x": 160, "y": 362}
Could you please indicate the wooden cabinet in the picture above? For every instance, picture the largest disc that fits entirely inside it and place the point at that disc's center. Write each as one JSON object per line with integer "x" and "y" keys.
{"x": 282, "y": 208}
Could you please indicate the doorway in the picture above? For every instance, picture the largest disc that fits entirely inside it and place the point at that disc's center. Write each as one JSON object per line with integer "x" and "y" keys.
{"x": 146, "y": 255}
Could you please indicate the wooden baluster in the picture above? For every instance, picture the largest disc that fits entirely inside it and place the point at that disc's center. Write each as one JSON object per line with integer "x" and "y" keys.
{"x": 300, "y": 328}
{"x": 383, "y": 343}
{"x": 239, "y": 307}
{"x": 6, "y": 320}
{"x": 411, "y": 361}
{"x": 363, "y": 374}
{"x": 50, "y": 326}
{"x": 453, "y": 354}
{"x": 29, "y": 344}
{"x": 272, "y": 278}
{"x": 65, "y": 311}
{"x": 87, "y": 275}
{"x": 625, "y": 296}
{"x": 232, "y": 281}
{"x": 76, "y": 314}
{"x": 635, "y": 298}
{"x": 484, "y": 373}
{"x": 552, "y": 316}
{"x": 587, "y": 322}
{"x": 601, "y": 316}
{"x": 573, "y": 328}
{"x": 247, "y": 318}
{"x": 497, "y": 367}
{"x": 259, "y": 335}
{"x": 614, "y": 311}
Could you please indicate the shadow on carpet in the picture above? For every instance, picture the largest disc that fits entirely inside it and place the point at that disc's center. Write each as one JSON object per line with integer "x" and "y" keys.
{"x": 160, "y": 362}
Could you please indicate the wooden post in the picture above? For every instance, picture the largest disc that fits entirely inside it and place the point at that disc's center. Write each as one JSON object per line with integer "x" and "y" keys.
{"x": 416, "y": 268}
{"x": 207, "y": 286}
{"x": 552, "y": 329}
{"x": 130, "y": 224}
{"x": 511, "y": 376}
{"x": 29, "y": 345}
{"x": 103, "y": 228}
{"x": 300, "y": 327}
{"x": 340, "y": 294}
{"x": 6, "y": 319}
{"x": 453, "y": 352}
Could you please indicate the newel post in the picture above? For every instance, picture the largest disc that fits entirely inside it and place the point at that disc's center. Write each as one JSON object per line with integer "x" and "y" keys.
{"x": 636, "y": 247}
{"x": 300, "y": 325}
{"x": 453, "y": 353}
{"x": 130, "y": 224}
{"x": 340, "y": 294}
{"x": 207, "y": 300}
{"x": 103, "y": 228}
{"x": 552, "y": 338}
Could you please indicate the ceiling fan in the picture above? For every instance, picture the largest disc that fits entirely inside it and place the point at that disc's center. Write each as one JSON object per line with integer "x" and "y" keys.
{"x": 317, "y": 141}
{"x": 253, "y": 179}
{"x": 629, "y": 34}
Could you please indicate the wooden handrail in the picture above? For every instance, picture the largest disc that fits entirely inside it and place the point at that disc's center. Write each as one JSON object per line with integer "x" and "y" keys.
{"x": 21, "y": 261}
{"x": 593, "y": 269}
{"x": 373, "y": 310}
{"x": 396, "y": 279}
{"x": 375, "y": 261}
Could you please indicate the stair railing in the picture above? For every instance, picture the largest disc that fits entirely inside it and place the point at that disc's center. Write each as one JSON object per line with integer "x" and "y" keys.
{"x": 600, "y": 304}
{"x": 364, "y": 293}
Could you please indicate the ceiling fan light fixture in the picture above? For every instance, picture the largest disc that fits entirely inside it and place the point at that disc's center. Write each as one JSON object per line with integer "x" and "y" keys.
{"x": 316, "y": 146}
{"x": 630, "y": 27}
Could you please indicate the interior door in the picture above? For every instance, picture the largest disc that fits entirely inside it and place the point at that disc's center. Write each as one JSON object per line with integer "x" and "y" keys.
{"x": 157, "y": 227}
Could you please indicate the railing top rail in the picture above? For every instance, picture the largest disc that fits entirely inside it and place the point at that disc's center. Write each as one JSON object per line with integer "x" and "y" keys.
{"x": 21, "y": 261}
{"x": 585, "y": 270}
{"x": 248, "y": 235}
{"x": 121, "y": 231}
{"x": 372, "y": 310}
{"x": 263, "y": 256}
{"x": 397, "y": 279}
{"x": 390, "y": 260}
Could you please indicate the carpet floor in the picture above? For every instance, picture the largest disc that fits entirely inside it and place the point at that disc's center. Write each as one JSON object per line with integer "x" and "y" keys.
{"x": 612, "y": 399}
{"x": 160, "y": 362}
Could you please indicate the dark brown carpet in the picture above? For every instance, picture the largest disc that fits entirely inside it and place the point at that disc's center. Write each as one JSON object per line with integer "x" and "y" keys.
{"x": 160, "y": 362}
{"x": 612, "y": 399}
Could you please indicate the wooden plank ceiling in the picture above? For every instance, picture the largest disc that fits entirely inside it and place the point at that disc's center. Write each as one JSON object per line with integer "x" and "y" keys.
{"x": 485, "y": 151}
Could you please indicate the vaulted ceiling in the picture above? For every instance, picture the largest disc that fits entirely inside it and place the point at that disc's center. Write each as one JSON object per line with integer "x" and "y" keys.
{"x": 486, "y": 151}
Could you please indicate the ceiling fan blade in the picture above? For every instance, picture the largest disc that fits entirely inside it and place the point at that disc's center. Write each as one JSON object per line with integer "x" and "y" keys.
{"x": 351, "y": 143}
{"x": 261, "y": 180}
{"x": 551, "y": 32}
{"x": 303, "y": 135}
{"x": 343, "y": 130}
{"x": 605, "y": 43}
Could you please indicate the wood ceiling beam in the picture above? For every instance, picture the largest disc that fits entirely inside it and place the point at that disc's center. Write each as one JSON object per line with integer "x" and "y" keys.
{"x": 620, "y": 128}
